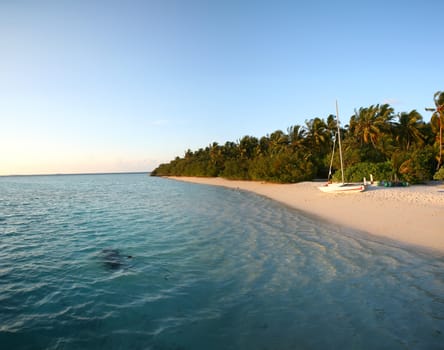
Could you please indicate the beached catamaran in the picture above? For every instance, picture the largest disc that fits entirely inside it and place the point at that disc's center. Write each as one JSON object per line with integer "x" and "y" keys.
{"x": 341, "y": 187}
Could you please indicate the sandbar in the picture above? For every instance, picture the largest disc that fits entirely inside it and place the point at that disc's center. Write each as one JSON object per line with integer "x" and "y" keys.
{"x": 411, "y": 215}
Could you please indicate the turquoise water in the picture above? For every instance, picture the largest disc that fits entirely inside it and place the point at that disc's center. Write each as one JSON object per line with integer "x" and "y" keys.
{"x": 210, "y": 268}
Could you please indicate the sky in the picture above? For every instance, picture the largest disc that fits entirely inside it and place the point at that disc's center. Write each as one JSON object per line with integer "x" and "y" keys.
{"x": 115, "y": 86}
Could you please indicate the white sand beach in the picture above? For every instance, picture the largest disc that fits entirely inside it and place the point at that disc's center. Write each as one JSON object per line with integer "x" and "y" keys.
{"x": 412, "y": 215}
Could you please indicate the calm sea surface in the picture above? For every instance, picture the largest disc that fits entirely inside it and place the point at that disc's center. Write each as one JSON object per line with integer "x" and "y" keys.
{"x": 210, "y": 268}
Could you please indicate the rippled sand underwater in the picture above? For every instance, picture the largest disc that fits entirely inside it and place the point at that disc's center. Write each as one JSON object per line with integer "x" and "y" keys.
{"x": 130, "y": 261}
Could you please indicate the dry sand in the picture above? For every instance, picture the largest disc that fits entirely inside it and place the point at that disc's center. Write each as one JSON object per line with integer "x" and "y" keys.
{"x": 412, "y": 215}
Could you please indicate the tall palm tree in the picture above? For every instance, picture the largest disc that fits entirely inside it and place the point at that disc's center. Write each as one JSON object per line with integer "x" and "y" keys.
{"x": 317, "y": 136}
{"x": 296, "y": 136}
{"x": 369, "y": 124}
{"x": 278, "y": 141}
{"x": 437, "y": 120}
{"x": 332, "y": 126}
{"x": 408, "y": 129}
{"x": 247, "y": 146}
{"x": 215, "y": 152}
{"x": 230, "y": 150}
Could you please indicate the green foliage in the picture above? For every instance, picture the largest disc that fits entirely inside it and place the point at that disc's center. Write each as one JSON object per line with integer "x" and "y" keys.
{"x": 282, "y": 168}
{"x": 236, "y": 169}
{"x": 376, "y": 141}
{"x": 439, "y": 175}
{"x": 419, "y": 167}
{"x": 356, "y": 173}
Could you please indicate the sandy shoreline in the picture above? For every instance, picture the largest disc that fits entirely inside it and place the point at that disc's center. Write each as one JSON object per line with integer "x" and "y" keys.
{"x": 412, "y": 215}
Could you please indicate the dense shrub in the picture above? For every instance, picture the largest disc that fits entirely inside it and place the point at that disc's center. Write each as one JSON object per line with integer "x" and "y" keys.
{"x": 439, "y": 175}
{"x": 281, "y": 168}
{"x": 356, "y": 173}
{"x": 419, "y": 167}
{"x": 235, "y": 169}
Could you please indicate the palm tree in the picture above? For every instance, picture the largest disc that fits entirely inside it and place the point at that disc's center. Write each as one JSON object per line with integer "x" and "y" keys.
{"x": 332, "y": 127}
{"x": 230, "y": 150}
{"x": 369, "y": 124}
{"x": 317, "y": 136}
{"x": 437, "y": 120}
{"x": 296, "y": 136}
{"x": 248, "y": 146}
{"x": 278, "y": 141}
{"x": 408, "y": 129}
{"x": 216, "y": 156}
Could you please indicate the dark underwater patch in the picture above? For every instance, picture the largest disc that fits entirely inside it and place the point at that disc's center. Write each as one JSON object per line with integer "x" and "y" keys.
{"x": 113, "y": 259}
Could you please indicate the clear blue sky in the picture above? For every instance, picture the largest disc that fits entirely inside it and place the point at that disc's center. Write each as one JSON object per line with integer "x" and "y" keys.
{"x": 91, "y": 86}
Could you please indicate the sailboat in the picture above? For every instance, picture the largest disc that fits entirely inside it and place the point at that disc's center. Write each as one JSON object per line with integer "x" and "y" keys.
{"x": 340, "y": 187}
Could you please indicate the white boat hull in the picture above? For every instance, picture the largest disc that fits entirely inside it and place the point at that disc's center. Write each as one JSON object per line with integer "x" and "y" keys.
{"x": 342, "y": 188}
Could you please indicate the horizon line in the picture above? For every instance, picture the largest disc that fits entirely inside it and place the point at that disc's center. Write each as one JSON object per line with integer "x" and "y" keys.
{"x": 91, "y": 173}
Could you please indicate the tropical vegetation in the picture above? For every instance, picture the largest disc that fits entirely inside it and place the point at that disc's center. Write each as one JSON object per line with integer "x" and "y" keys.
{"x": 376, "y": 141}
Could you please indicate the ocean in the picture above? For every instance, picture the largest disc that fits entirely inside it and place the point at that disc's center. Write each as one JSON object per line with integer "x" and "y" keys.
{"x": 128, "y": 261}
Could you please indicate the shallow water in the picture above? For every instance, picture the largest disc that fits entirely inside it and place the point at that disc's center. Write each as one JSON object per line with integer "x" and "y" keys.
{"x": 211, "y": 268}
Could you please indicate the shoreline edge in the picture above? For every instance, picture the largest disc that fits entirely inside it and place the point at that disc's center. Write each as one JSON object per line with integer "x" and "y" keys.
{"x": 410, "y": 215}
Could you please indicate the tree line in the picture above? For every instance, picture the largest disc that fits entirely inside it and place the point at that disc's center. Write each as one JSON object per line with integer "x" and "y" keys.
{"x": 375, "y": 141}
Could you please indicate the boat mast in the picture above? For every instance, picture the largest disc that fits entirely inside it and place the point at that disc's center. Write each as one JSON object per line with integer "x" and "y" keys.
{"x": 332, "y": 157}
{"x": 339, "y": 141}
